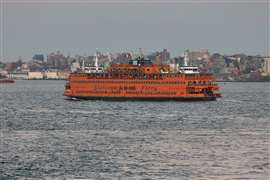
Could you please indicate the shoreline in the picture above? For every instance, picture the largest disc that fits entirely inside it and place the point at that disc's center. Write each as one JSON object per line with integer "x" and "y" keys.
{"x": 246, "y": 81}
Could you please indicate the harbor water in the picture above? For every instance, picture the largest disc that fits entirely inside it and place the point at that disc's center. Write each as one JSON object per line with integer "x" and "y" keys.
{"x": 46, "y": 136}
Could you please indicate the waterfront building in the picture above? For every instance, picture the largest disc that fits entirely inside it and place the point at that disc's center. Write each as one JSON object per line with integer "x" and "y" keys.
{"x": 50, "y": 75}
{"x": 63, "y": 74}
{"x": 35, "y": 75}
{"x": 18, "y": 75}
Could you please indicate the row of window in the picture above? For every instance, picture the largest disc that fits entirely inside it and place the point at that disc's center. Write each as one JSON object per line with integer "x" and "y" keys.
{"x": 99, "y": 92}
{"x": 130, "y": 82}
{"x": 132, "y": 74}
{"x": 106, "y": 75}
{"x": 163, "y": 93}
{"x": 149, "y": 82}
{"x": 128, "y": 92}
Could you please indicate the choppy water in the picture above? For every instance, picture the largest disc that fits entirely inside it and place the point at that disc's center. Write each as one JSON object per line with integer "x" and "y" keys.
{"x": 44, "y": 136}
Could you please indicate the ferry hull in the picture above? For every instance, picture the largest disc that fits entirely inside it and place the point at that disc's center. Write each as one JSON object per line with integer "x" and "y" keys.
{"x": 106, "y": 98}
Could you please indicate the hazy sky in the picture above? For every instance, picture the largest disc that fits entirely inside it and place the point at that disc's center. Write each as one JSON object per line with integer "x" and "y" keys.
{"x": 82, "y": 27}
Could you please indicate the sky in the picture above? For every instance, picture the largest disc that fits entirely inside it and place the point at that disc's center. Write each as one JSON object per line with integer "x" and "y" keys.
{"x": 82, "y": 27}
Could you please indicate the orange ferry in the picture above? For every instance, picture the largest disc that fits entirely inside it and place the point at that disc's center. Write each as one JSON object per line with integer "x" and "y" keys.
{"x": 142, "y": 80}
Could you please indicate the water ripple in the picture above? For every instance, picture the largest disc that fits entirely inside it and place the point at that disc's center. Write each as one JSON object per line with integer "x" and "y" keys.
{"x": 45, "y": 136}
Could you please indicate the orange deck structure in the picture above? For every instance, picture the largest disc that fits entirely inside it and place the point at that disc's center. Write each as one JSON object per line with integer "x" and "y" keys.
{"x": 141, "y": 80}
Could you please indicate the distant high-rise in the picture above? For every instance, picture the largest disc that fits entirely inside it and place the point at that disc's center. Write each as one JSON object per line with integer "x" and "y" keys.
{"x": 266, "y": 66}
{"x": 160, "y": 57}
{"x": 199, "y": 55}
{"x": 165, "y": 56}
{"x": 58, "y": 61}
{"x": 38, "y": 57}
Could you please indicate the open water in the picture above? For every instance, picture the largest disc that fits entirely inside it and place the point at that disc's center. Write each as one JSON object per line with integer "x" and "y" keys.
{"x": 45, "y": 136}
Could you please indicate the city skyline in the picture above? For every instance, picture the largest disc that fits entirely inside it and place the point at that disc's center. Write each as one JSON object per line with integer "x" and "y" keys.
{"x": 227, "y": 27}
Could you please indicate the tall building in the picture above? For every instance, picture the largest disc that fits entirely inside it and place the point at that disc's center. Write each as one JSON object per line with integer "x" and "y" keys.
{"x": 57, "y": 61}
{"x": 199, "y": 55}
{"x": 160, "y": 57}
{"x": 266, "y": 66}
{"x": 165, "y": 56}
{"x": 38, "y": 57}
